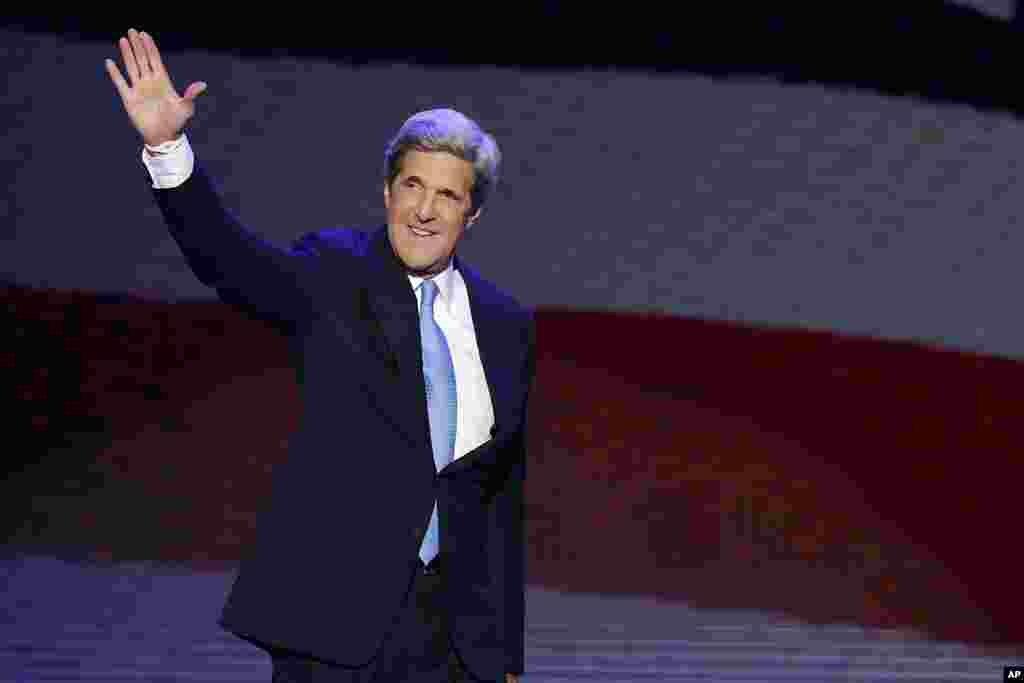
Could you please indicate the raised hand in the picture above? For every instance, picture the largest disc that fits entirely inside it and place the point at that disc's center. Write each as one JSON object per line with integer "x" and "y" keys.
{"x": 152, "y": 103}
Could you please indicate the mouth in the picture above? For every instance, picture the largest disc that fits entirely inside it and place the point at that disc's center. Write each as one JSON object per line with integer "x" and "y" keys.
{"x": 420, "y": 233}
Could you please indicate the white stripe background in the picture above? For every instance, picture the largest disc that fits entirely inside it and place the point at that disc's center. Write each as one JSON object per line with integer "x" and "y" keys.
{"x": 740, "y": 199}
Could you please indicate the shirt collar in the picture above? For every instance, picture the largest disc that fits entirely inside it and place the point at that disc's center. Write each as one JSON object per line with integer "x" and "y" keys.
{"x": 444, "y": 281}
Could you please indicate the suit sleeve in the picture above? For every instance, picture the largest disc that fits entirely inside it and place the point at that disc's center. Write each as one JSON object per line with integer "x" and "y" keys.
{"x": 510, "y": 511}
{"x": 266, "y": 281}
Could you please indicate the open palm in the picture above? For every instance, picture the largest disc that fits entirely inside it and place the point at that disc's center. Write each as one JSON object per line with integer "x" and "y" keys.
{"x": 152, "y": 103}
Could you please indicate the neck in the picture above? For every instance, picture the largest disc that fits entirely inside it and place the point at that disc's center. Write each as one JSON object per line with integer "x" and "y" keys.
{"x": 428, "y": 273}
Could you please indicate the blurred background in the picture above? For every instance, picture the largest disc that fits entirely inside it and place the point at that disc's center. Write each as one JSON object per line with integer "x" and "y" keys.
{"x": 774, "y": 253}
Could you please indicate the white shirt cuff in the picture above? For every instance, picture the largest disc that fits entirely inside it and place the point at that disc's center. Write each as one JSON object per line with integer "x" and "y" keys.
{"x": 169, "y": 164}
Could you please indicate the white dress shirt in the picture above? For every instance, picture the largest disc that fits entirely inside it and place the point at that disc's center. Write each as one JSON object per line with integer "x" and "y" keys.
{"x": 171, "y": 164}
{"x": 475, "y": 413}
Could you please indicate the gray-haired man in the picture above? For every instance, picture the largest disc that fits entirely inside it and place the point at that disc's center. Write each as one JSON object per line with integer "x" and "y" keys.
{"x": 392, "y": 547}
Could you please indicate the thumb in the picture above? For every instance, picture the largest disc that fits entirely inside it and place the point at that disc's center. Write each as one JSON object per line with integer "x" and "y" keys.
{"x": 194, "y": 90}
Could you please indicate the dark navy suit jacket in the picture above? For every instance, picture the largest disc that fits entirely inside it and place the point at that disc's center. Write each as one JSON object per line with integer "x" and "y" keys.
{"x": 335, "y": 545}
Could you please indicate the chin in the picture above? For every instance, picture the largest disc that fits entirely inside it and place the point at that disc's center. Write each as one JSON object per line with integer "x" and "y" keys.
{"x": 417, "y": 267}
{"x": 421, "y": 262}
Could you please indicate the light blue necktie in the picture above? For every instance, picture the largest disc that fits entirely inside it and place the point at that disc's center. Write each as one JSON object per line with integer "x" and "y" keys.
{"x": 439, "y": 375}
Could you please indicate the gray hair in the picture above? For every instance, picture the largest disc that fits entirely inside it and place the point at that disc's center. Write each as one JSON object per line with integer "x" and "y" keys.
{"x": 446, "y": 130}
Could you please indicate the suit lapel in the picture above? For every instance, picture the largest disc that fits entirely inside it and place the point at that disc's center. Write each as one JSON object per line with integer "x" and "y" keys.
{"x": 393, "y": 303}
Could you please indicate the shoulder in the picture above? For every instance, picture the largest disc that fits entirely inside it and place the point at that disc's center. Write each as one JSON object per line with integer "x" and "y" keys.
{"x": 497, "y": 299}
{"x": 350, "y": 240}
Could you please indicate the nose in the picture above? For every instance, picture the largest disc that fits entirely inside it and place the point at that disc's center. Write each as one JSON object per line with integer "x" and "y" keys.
{"x": 425, "y": 210}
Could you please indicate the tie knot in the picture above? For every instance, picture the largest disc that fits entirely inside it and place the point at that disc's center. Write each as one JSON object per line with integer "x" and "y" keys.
{"x": 429, "y": 292}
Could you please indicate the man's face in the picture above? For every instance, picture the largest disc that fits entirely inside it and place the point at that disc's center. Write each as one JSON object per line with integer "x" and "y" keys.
{"x": 428, "y": 206}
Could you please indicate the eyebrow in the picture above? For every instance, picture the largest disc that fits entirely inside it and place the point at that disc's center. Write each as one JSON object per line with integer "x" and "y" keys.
{"x": 419, "y": 180}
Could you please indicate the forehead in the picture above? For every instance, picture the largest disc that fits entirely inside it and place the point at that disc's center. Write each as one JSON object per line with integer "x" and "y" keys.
{"x": 438, "y": 169}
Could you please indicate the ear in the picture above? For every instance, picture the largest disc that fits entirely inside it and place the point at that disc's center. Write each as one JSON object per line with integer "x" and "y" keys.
{"x": 472, "y": 219}
{"x": 387, "y": 196}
